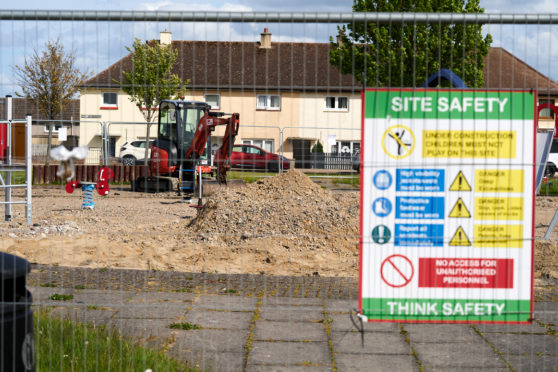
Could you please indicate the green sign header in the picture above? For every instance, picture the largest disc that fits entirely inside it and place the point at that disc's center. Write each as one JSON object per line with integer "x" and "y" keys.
{"x": 455, "y": 104}
{"x": 403, "y": 309}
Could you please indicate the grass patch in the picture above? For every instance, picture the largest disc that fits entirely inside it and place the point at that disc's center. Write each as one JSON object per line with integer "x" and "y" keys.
{"x": 549, "y": 187}
{"x": 229, "y": 291}
{"x": 79, "y": 287}
{"x": 61, "y": 297}
{"x": 184, "y": 290}
{"x": 18, "y": 177}
{"x": 61, "y": 345}
{"x": 184, "y": 326}
{"x": 49, "y": 285}
{"x": 248, "y": 176}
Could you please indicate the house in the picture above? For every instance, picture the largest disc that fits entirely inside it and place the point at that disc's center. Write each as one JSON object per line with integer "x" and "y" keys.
{"x": 503, "y": 70}
{"x": 68, "y": 118}
{"x": 288, "y": 95}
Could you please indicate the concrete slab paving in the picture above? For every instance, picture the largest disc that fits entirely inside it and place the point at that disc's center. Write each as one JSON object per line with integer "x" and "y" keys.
{"x": 289, "y": 336}
{"x": 342, "y": 323}
{"x": 533, "y": 363}
{"x": 219, "y": 319}
{"x": 289, "y": 353}
{"x": 223, "y": 302}
{"x": 209, "y": 340}
{"x": 292, "y": 301}
{"x": 374, "y": 343}
{"x": 166, "y": 310}
{"x": 534, "y": 328}
{"x": 522, "y": 344}
{"x": 156, "y": 297}
{"x": 286, "y": 331}
{"x": 102, "y": 298}
{"x": 340, "y": 306}
{"x": 291, "y": 313}
{"x": 457, "y": 356}
{"x": 289, "y": 368}
{"x": 78, "y": 314}
{"x": 441, "y": 333}
{"x": 375, "y": 362}
{"x": 217, "y": 362}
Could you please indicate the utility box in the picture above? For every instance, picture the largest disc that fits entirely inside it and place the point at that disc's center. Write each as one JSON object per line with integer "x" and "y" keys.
{"x": 17, "y": 350}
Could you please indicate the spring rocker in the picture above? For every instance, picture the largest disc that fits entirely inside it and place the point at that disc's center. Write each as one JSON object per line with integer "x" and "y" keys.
{"x": 88, "y": 188}
{"x": 66, "y": 171}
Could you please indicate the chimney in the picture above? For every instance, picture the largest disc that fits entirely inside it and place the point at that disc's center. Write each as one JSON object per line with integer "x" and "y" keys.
{"x": 165, "y": 37}
{"x": 340, "y": 37}
{"x": 265, "y": 42}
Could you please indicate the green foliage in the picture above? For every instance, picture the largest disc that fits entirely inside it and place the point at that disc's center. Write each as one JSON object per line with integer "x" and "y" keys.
{"x": 61, "y": 345}
{"x": 61, "y": 297}
{"x": 318, "y": 147}
{"x": 184, "y": 326}
{"x": 405, "y": 55}
{"x": 151, "y": 79}
{"x": 50, "y": 79}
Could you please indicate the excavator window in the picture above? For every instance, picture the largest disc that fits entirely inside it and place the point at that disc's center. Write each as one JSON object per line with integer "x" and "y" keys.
{"x": 190, "y": 120}
{"x": 167, "y": 122}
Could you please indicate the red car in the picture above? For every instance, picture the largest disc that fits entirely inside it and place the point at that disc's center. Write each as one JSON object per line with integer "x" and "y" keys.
{"x": 254, "y": 157}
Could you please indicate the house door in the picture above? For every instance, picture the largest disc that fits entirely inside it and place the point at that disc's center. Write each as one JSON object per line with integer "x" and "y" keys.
{"x": 301, "y": 153}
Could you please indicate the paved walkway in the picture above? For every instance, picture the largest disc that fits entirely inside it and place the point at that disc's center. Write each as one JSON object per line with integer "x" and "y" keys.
{"x": 248, "y": 324}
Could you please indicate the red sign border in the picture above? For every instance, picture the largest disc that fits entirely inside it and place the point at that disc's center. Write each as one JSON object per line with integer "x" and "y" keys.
{"x": 360, "y": 265}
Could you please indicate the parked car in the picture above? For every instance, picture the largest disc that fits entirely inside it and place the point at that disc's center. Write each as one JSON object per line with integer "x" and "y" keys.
{"x": 552, "y": 163}
{"x": 356, "y": 161}
{"x": 254, "y": 157}
{"x": 132, "y": 153}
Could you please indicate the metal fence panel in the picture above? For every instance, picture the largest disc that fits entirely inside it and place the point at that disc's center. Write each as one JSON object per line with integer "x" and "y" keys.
{"x": 265, "y": 275}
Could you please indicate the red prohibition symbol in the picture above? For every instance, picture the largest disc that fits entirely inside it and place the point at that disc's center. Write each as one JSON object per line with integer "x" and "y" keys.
{"x": 397, "y": 271}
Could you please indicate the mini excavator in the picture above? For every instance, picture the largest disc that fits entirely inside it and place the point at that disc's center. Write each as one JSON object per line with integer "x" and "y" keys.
{"x": 183, "y": 130}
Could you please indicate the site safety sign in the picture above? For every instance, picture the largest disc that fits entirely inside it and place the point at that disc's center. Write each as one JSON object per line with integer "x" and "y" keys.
{"x": 447, "y": 205}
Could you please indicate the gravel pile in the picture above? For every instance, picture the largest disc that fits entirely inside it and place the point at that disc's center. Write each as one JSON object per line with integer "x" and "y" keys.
{"x": 288, "y": 205}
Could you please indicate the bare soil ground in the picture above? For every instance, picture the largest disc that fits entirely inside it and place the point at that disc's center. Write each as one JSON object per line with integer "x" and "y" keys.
{"x": 285, "y": 225}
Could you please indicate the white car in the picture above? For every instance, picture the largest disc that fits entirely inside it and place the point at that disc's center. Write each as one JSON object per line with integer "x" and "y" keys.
{"x": 132, "y": 153}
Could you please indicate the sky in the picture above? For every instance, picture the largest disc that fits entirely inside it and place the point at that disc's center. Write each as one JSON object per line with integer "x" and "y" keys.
{"x": 97, "y": 45}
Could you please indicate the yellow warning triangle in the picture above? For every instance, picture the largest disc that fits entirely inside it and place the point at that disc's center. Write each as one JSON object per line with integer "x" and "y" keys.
{"x": 459, "y": 210}
{"x": 460, "y": 239}
{"x": 460, "y": 183}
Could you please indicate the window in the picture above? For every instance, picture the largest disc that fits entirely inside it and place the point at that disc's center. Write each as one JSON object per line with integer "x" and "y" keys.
{"x": 109, "y": 101}
{"x": 268, "y": 102}
{"x": 55, "y": 127}
{"x": 337, "y": 103}
{"x": 345, "y": 148}
{"x": 214, "y": 100}
{"x": 547, "y": 112}
{"x": 266, "y": 144}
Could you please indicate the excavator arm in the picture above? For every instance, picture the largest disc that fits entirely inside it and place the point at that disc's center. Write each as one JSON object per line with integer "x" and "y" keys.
{"x": 207, "y": 125}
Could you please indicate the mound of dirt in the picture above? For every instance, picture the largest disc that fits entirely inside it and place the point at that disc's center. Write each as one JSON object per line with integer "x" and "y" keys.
{"x": 289, "y": 204}
{"x": 546, "y": 259}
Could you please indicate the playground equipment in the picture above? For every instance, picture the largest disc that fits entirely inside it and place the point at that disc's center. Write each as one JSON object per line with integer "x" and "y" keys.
{"x": 8, "y": 166}
{"x": 66, "y": 171}
{"x": 87, "y": 188}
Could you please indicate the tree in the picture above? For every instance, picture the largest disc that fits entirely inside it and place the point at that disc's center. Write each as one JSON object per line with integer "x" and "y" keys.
{"x": 50, "y": 79}
{"x": 405, "y": 55}
{"x": 151, "y": 79}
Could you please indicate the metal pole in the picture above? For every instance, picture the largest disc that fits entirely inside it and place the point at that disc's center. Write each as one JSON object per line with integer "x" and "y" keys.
{"x": 8, "y": 183}
{"x": 28, "y": 171}
{"x": 105, "y": 143}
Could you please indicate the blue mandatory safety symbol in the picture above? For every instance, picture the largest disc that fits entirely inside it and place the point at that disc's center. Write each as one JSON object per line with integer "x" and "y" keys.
{"x": 381, "y": 207}
{"x": 382, "y": 180}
